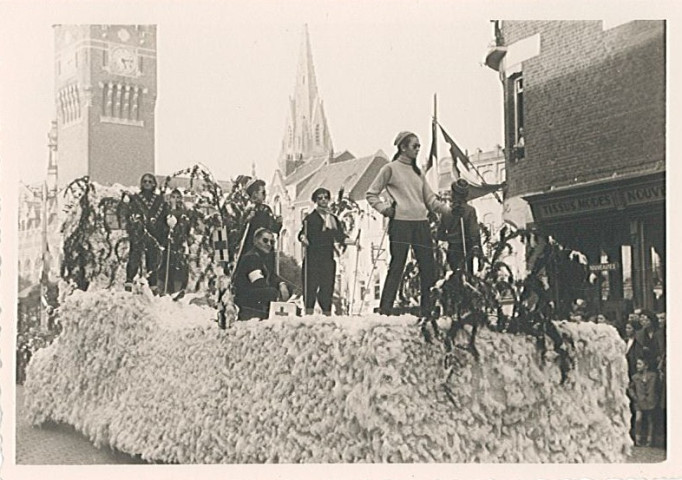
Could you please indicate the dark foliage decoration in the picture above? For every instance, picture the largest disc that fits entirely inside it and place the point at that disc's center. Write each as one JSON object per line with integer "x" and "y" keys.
{"x": 469, "y": 300}
{"x": 81, "y": 262}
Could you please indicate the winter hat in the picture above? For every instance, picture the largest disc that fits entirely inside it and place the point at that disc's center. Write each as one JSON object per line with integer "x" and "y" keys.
{"x": 402, "y": 136}
{"x": 460, "y": 187}
{"x": 253, "y": 185}
{"x": 320, "y": 190}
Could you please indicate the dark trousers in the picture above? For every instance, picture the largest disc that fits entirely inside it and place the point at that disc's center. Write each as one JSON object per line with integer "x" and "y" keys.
{"x": 404, "y": 234}
{"x": 178, "y": 271}
{"x": 255, "y": 302}
{"x": 319, "y": 274}
{"x": 151, "y": 257}
{"x": 455, "y": 257}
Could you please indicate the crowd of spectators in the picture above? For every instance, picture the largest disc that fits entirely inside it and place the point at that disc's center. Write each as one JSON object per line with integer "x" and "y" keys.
{"x": 646, "y": 356}
{"x": 645, "y": 337}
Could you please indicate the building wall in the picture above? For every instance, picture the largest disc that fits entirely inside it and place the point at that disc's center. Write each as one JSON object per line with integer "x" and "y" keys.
{"x": 105, "y": 110}
{"x": 594, "y": 102}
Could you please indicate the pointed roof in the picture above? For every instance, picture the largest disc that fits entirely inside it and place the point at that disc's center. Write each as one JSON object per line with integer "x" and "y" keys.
{"x": 355, "y": 176}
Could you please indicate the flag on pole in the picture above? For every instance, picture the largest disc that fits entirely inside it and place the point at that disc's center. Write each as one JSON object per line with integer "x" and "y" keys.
{"x": 455, "y": 151}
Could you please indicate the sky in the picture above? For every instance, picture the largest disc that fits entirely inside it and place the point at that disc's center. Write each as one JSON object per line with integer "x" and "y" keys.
{"x": 227, "y": 69}
{"x": 226, "y": 72}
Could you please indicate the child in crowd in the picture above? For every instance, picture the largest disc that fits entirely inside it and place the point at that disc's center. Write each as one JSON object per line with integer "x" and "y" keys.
{"x": 644, "y": 393}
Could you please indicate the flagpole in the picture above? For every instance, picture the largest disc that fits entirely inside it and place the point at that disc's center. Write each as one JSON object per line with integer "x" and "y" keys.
{"x": 456, "y": 152}
{"x": 435, "y": 140}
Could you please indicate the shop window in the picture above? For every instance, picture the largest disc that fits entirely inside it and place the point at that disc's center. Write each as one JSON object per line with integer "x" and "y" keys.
{"x": 626, "y": 252}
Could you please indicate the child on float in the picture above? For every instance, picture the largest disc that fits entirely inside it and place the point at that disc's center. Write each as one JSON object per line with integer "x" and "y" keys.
{"x": 643, "y": 391}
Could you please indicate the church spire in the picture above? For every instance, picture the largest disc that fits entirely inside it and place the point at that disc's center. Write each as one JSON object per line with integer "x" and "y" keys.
{"x": 306, "y": 134}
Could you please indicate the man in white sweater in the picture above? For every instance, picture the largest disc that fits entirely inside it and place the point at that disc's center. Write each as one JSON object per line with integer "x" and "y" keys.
{"x": 410, "y": 200}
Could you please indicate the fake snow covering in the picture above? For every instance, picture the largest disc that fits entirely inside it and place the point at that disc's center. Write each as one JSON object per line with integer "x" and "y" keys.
{"x": 159, "y": 379}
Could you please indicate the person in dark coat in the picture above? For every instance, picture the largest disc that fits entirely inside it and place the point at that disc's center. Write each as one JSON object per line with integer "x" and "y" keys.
{"x": 462, "y": 216}
{"x": 259, "y": 215}
{"x": 180, "y": 227}
{"x": 147, "y": 231}
{"x": 321, "y": 230}
{"x": 649, "y": 339}
{"x": 256, "y": 286}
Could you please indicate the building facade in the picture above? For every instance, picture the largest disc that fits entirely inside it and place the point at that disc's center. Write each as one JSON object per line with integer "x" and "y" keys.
{"x": 585, "y": 108}
{"x": 105, "y": 97}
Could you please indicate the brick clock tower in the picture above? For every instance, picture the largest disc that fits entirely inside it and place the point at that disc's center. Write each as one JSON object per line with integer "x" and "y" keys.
{"x": 105, "y": 95}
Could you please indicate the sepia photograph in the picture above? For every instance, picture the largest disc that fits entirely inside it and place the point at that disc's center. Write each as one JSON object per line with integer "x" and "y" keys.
{"x": 428, "y": 238}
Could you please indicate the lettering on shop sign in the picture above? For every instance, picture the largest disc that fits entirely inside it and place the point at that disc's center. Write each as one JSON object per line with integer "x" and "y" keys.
{"x": 604, "y": 267}
{"x": 645, "y": 194}
{"x": 577, "y": 205}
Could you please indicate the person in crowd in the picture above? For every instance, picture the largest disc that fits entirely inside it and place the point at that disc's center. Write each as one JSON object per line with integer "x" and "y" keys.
{"x": 459, "y": 228}
{"x": 259, "y": 215}
{"x": 643, "y": 390}
{"x": 409, "y": 200}
{"x": 256, "y": 286}
{"x": 177, "y": 269}
{"x": 661, "y": 419}
{"x": 649, "y": 338}
{"x": 320, "y": 232}
{"x": 147, "y": 231}
{"x": 633, "y": 350}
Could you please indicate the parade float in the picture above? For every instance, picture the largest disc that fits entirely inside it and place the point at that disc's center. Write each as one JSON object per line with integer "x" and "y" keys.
{"x": 158, "y": 378}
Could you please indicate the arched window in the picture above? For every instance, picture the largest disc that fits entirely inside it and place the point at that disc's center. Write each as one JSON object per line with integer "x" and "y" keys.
{"x": 489, "y": 176}
{"x": 283, "y": 239}
{"x": 277, "y": 206}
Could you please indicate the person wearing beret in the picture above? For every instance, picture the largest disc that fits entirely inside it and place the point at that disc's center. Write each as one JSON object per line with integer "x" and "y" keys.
{"x": 460, "y": 229}
{"x": 256, "y": 286}
{"x": 147, "y": 231}
{"x": 410, "y": 200}
{"x": 321, "y": 230}
{"x": 259, "y": 215}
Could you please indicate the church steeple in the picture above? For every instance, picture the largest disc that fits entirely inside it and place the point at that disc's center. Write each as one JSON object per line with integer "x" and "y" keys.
{"x": 306, "y": 134}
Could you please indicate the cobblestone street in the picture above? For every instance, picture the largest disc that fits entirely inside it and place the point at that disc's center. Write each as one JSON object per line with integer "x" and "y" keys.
{"x": 61, "y": 445}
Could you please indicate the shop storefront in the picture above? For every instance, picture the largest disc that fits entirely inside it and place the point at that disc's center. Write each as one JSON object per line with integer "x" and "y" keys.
{"x": 619, "y": 224}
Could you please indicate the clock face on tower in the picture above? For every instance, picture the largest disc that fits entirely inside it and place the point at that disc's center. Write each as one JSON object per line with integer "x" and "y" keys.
{"x": 123, "y": 61}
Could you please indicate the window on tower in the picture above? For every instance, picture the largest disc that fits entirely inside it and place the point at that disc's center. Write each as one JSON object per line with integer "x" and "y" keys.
{"x": 317, "y": 134}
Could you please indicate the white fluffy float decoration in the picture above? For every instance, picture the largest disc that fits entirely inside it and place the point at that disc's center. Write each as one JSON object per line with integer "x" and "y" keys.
{"x": 159, "y": 379}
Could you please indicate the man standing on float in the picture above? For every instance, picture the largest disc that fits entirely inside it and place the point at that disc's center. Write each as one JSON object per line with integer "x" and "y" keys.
{"x": 411, "y": 199}
{"x": 147, "y": 231}
{"x": 259, "y": 215}
{"x": 321, "y": 229}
